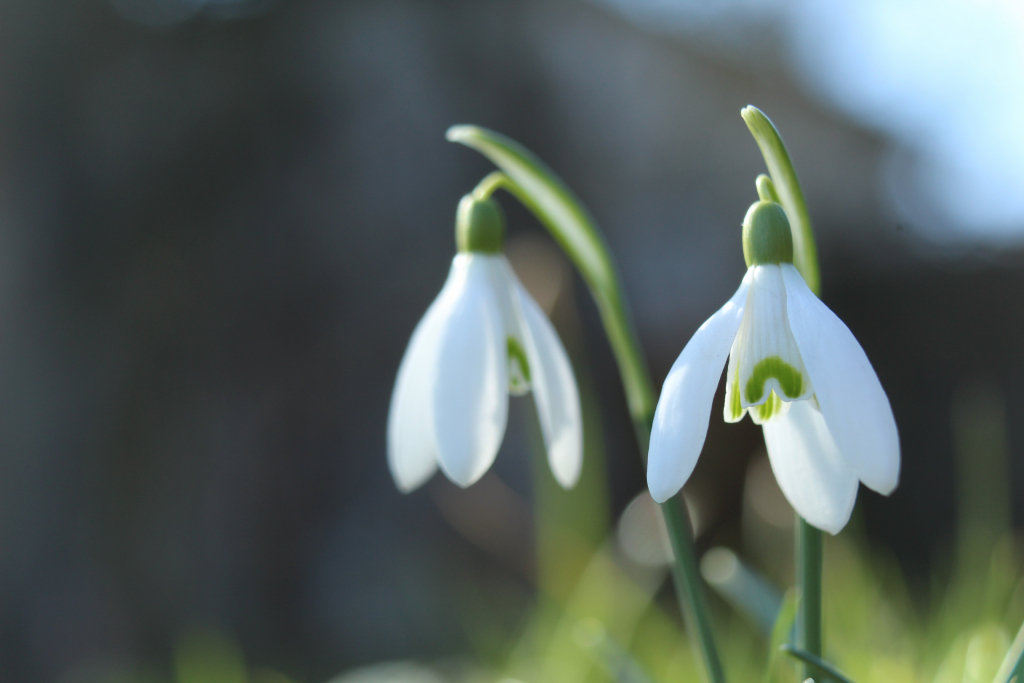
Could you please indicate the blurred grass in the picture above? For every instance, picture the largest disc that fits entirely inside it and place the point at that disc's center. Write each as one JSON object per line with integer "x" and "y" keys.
{"x": 616, "y": 627}
{"x": 601, "y": 617}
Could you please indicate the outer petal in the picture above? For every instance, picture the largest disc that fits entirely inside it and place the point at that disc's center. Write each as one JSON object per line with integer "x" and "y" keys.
{"x": 852, "y": 400}
{"x": 809, "y": 467}
{"x": 471, "y": 383}
{"x": 681, "y": 418}
{"x": 412, "y": 451}
{"x": 554, "y": 389}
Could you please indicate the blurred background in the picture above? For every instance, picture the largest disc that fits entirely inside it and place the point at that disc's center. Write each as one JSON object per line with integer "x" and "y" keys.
{"x": 220, "y": 221}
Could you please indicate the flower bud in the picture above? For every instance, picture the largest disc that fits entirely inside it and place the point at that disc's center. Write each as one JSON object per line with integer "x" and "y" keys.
{"x": 766, "y": 235}
{"x": 479, "y": 226}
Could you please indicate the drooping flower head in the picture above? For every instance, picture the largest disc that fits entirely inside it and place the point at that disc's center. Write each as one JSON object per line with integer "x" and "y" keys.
{"x": 482, "y": 339}
{"x": 799, "y": 372}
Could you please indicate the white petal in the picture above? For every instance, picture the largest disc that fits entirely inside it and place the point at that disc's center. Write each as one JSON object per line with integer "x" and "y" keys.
{"x": 471, "y": 383}
{"x": 764, "y": 356}
{"x": 554, "y": 389}
{"x": 681, "y": 418}
{"x": 809, "y": 467}
{"x": 852, "y": 400}
{"x": 412, "y": 451}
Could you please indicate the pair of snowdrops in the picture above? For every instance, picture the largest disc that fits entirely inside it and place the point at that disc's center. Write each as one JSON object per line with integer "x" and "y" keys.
{"x": 793, "y": 365}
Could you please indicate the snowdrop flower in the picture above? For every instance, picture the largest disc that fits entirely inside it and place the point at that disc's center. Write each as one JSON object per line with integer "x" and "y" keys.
{"x": 799, "y": 372}
{"x": 482, "y": 339}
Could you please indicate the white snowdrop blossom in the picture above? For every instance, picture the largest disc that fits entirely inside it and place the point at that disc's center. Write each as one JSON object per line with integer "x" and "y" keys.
{"x": 799, "y": 372}
{"x": 482, "y": 339}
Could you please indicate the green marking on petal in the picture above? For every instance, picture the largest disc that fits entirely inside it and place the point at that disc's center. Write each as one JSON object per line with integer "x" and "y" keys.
{"x": 735, "y": 405}
{"x": 789, "y": 378}
{"x": 518, "y": 368}
{"x": 770, "y": 408}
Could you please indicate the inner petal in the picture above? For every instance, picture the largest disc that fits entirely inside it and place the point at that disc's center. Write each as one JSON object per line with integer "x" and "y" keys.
{"x": 518, "y": 368}
{"x": 773, "y": 408}
{"x": 765, "y": 359}
{"x": 502, "y": 280}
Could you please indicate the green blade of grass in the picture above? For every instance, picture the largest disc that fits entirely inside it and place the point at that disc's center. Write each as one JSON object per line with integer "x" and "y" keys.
{"x": 1012, "y": 667}
{"x": 781, "y": 631}
{"x": 817, "y": 662}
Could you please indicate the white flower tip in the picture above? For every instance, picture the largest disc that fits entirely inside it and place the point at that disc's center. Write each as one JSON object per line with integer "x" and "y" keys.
{"x": 660, "y": 491}
{"x": 884, "y": 476}
{"x": 413, "y": 475}
{"x": 565, "y": 455}
{"x": 405, "y": 486}
{"x": 669, "y": 463}
{"x": 567, "y": 476}
{"x": 404, "y": 483}
{"x": 834, "y": 519}
{"x": 887, "y": 487}
{"x": 833, "y": 527}
{"x": 466, "y": 476}
{"x": 567, "y": 482}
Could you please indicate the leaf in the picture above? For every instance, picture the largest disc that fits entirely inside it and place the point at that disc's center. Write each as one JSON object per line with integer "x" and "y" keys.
{"x": 817, "y": 662}
{"x": 781, "y": 631}
{"x": 743, "y": 587}
{"x": 1012, "y": 667}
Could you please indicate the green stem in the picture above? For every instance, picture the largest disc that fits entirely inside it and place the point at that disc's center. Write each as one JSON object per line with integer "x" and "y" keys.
{"x": 686, "y": 577}
{"x": 808, "y": 585}
{"x": 784, "y": 188}
{"x": 492, "y": 182}
{"x": 542, "y": 192}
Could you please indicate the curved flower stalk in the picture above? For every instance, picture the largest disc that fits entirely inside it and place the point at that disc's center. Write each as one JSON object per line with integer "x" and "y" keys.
{"x": 530, "y": 181}
{"x": 799, "y": 372}
{"x": 482, "y": 339}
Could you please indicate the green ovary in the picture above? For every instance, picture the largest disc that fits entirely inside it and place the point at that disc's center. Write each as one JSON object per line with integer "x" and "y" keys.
{"x": 789, "y": 378}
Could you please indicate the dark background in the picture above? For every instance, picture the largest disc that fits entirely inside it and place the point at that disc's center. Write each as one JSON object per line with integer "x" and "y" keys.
{"x": 219, "y": 225}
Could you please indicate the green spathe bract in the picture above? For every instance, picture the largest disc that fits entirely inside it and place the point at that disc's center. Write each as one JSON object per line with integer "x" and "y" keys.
{"x": 766, "y": 235}
{"x": 479, "y": 226}
{"x": 785, "y": 188}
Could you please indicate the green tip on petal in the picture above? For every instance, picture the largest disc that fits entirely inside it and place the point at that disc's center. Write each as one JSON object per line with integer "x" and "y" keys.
{"x": 766, "y": 235}
{"x": 479, "y": 226}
